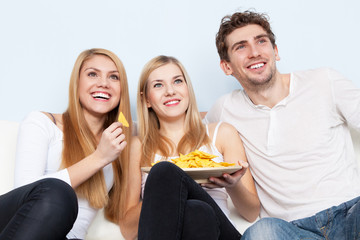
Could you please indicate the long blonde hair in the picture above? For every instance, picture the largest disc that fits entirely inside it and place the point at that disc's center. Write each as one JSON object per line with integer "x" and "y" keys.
{"x": 80, "y": 142}
{"x": 148, "y": 122}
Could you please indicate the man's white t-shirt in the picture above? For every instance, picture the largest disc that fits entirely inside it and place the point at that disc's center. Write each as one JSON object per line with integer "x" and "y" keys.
{"x": 300, "y": 151}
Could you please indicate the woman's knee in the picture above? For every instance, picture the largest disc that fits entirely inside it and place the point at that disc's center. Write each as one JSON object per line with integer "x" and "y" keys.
{"x": 199, "y": 208}
{"x": 58, "y": 189}
{"x": 163, "y": 172}
{"x": 58, "y": 196}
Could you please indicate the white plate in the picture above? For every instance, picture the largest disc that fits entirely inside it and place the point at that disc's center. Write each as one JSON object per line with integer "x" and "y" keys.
{"x": 201, "y": 175}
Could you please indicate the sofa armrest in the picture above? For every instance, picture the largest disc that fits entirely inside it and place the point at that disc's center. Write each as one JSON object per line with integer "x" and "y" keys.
{"x": 8, "y": 140}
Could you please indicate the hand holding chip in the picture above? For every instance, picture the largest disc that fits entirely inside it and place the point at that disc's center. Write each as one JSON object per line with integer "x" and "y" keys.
{"x": 111, "y": 143}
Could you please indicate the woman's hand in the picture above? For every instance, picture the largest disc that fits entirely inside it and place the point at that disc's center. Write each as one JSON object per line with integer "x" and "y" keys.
{"x": 111, "y": 143}
{"x": 227, "y": 180}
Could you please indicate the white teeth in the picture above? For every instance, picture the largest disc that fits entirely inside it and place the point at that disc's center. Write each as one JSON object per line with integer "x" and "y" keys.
{"x": 257, "y": 66}
{"x": 100, "y": 95}
{"x": 172, "y": 102}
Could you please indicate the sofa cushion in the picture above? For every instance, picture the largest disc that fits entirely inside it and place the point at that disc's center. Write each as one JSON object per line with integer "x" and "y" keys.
{"x": 100, "y": 229}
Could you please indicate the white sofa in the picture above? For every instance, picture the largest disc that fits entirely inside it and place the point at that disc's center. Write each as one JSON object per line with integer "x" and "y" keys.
{"x": 100, "y": 229}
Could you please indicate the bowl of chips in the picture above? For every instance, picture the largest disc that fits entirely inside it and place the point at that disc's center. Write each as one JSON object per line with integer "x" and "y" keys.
{"x": 200, "y": 166}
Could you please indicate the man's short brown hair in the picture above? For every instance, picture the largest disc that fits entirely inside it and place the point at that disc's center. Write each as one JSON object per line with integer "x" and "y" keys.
{"x": 237, "y": 20}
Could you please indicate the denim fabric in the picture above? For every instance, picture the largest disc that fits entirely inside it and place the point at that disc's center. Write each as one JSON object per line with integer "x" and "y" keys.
{"x": 176, "y": 207}
{"x": 46, "y": 209}
{"x": 336, "y": 223}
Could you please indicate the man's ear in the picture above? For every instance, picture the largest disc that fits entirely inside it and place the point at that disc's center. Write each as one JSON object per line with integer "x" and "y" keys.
{"x": 277, "y": 56}
{"x": 225, "y": 66}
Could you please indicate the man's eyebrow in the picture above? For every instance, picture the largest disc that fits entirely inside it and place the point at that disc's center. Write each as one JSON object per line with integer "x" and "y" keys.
{"x": 245, "y": 41}
{"x": 262, "y": 36}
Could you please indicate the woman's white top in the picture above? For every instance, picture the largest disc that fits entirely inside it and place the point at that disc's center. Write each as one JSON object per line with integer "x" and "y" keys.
{"x": 218, "y": 194}
{"x": 38, "y": 155}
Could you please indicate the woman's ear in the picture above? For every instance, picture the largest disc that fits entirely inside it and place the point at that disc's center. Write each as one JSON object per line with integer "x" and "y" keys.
{"x": 147, "y": 101}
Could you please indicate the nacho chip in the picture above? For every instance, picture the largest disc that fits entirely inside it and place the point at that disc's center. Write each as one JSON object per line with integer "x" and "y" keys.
{"x": 123, "y": 120}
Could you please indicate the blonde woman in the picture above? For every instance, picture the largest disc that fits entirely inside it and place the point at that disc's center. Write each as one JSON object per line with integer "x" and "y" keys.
{"x": 84, "y": 147}
{"x": 172, "y": 205}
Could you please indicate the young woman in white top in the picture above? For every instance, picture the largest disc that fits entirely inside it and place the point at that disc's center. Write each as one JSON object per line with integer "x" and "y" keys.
{"x": 172, "y": 205}
{"x": 84, "y": 147}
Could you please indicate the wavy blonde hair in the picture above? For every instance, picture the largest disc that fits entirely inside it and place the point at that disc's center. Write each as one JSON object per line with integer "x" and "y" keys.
{"x": 80, "y": 142}
{"x": 148, "y": 122}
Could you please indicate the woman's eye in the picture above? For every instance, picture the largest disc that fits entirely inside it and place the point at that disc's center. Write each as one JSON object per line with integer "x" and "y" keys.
{"x": 157, "y": 85}
{"x": 115, "y": 77}
{"x": 178, "y": 81}
{"x": 92, "y": 74}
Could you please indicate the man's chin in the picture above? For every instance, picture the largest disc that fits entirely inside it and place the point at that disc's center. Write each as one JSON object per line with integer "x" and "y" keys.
{"x": 260, "y": 84}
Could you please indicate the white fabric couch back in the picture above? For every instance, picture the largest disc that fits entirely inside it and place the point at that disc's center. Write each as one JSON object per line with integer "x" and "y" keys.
{"x": 100, "y": 229}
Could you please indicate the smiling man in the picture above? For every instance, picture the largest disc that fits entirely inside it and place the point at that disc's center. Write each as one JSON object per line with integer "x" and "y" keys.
{"x": 295, "y": 132}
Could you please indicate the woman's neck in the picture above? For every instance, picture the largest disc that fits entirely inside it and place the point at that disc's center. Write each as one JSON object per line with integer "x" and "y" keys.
{"x": 96, "y": 124}
{"x": 173, "y": 130}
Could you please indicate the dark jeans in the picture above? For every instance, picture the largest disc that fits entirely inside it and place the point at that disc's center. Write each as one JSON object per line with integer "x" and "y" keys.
{"x": 46, "y": 209}
{"x": 176, "y": 207}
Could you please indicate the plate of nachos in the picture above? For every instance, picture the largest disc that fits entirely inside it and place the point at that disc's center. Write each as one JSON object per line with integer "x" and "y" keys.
{"x": 200, "y": 166}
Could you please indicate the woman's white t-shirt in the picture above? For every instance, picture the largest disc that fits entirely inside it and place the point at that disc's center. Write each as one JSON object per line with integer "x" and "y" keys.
{"x": 38, "y": 155}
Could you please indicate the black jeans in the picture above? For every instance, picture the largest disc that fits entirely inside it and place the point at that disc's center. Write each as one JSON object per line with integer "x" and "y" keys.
{"x": 176, "y": 207}
{"x": 46, "y": 209}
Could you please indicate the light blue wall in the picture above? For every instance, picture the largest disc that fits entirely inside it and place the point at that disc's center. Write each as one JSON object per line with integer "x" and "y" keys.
{"x": 40, "y": 41}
